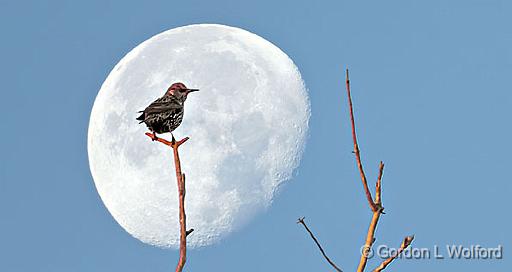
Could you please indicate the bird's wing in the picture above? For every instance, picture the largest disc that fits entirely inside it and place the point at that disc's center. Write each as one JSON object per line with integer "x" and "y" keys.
{"x": 162, "y": 105}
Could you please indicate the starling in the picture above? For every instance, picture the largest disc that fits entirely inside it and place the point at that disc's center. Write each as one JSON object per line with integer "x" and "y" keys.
{"x": 166, "y": 113}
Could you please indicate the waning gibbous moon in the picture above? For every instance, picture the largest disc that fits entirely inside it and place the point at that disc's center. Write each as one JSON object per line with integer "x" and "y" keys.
{"x": 247, "y": 129}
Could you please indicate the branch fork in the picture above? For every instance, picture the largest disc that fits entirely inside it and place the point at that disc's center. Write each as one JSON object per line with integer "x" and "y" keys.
{"x": 180, "y": 177}
{"x": 375, "y": 204}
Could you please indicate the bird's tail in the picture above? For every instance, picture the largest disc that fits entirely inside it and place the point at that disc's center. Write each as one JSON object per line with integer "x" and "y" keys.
{"x": 141, "y": 117}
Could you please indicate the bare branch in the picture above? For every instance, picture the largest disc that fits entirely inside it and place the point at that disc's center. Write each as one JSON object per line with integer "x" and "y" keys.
{"x": 180, "y": 178}
{"x": 301, "y": 221}
{"x": 407, "y": 241}
{"x": 370, "y": 238}
{"x": 369, "y": 197}
{"x": 375, "y": 204}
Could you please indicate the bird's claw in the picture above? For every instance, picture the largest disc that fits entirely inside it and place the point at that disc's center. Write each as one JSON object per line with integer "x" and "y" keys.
{"x": 154, "y": 138}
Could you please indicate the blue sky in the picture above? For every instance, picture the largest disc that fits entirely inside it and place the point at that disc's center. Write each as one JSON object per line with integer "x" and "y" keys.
{"x": 432, "y": 92}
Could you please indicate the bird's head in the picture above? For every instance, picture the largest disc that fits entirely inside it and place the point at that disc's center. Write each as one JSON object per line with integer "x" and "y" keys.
{"x": 179, "y": 90}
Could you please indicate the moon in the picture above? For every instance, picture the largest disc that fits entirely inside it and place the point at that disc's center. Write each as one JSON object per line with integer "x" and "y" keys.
{"x": 247, "y": 126}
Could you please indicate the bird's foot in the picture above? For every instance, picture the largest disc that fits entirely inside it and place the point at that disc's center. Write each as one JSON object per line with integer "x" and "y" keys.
{"x": 173, "y": 139}
{"x": 154, "y": 138}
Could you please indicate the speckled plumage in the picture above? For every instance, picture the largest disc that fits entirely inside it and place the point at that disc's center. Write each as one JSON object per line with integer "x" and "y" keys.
{"x": 166, "y": 113}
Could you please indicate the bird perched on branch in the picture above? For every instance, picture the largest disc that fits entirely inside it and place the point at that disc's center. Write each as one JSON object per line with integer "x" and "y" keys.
{"x": 166, "y": 113}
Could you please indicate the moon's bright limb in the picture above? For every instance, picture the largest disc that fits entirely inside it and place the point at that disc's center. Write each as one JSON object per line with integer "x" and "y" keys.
{"x": 247, "y": 126}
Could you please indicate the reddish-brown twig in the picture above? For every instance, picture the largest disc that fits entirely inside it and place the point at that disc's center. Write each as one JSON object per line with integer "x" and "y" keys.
{"x": 301, "y": 221}
{"x": 378, "y": 194}
{"x": 180, "y": 177}
{"x": 373, "y": 206}
{"x": 407, "y": 241}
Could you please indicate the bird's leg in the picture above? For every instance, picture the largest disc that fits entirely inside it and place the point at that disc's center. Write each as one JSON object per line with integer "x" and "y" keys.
{"x": 154, "y": 137}
{"x": 173, "y": 139}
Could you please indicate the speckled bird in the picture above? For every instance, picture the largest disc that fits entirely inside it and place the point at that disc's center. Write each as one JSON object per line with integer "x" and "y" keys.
{"x": 166, "y": 113}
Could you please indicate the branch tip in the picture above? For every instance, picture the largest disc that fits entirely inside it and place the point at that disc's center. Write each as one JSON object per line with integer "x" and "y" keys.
{"x": 369, "y": 197}
{"x": 408, "y": 240}
{"x": 301, "y": 221}
{"x": 378, "y": 187}
{"x": 406, "y": 243}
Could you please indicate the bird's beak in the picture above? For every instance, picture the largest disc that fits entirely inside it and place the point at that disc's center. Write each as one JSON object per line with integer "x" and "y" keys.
{"x": 192, "y": 90}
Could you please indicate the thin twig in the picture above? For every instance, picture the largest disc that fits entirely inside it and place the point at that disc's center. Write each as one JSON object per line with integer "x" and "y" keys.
{"x": 407, "y": 241}
{"x": 378, "y": 190}
{"x": 180, "y": 178}
{"x": 301, "y": 221}
{"x": 373, "y": 206}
